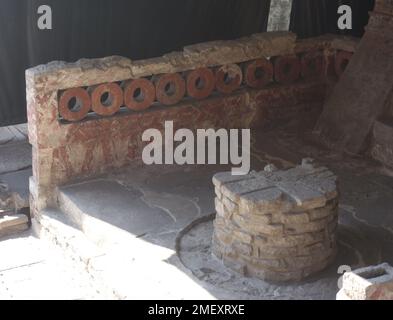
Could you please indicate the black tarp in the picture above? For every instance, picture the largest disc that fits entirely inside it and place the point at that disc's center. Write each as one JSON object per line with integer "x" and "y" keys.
{"x": 133, "y": 28}
{"x": 315, "y": 17}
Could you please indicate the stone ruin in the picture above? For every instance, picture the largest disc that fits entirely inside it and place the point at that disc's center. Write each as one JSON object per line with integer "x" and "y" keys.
{"x": 277, "y": 225}
{"x": 87, "y": 118}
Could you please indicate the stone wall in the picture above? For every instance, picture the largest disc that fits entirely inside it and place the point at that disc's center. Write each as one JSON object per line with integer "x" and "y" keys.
{"x": 86, "y": 118}
{"x": 276, "y": 225}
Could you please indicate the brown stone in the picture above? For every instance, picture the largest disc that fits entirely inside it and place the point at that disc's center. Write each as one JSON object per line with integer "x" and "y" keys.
{"x": 258, "y": 229}
{"x": 294, "y": 218}
{"x": 229, "y": 205}
{"x": 298, "y": 240}
{"x": 312, "y": 226}
{"x": 276, "y": 252}
{"x": 323, "y": 212}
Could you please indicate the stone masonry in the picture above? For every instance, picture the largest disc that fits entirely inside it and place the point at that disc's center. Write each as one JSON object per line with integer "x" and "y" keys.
{"x": 277, "y": 225}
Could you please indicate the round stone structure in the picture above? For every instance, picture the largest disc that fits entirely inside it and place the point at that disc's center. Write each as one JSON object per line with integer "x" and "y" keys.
{"x": 277, "y": 225}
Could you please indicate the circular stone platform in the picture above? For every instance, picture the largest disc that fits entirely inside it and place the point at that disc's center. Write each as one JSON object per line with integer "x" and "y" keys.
{"x": 276, "y": 225}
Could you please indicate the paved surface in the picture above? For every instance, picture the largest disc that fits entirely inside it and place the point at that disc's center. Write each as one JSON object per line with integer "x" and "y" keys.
{"x": 17, "y": 183}
{"x": 30, "y": 269}
{"x": 173, "y": 260}
{"x": 15, "y": 151}
{"x": 15, "y": 156}
{"x": 12, "y": 134}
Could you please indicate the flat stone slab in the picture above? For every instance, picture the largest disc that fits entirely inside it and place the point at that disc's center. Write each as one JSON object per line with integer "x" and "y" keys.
{"x": 15, "y": 189}
{"x": 15, "y": 156}
{"x": 303, "y": 186}
{"x": 13, "y": 133}
{"x": 108, "y": 202}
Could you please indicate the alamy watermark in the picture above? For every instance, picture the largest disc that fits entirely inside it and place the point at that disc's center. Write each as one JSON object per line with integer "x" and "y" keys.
{"x": 345, "y": 20}
{"x": 191, "y": 149}
{"x": 44, "y": 21}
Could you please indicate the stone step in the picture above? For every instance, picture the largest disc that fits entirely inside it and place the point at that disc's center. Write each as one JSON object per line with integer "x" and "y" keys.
{"x": 13, "y": 224}
{"x": 123, "y": 272}
{"x": 56, "y": 229}
{"x": 109, "y": 213}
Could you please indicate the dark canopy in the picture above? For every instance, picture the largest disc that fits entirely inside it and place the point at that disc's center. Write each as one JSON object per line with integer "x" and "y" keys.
{"x": 97, "y": 28}
{"x": 135, "y": 29}
{"x": 314, "y": 17}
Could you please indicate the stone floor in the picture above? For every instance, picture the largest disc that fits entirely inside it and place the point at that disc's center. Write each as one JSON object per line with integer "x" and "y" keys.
{"x": 151, "y": 230}
{"x": 15, "y": 151}
{"x": 30, "y": 269}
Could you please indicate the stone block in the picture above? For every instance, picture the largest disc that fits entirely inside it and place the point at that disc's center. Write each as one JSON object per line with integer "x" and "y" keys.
{"x": 323, "y": 212}
{"x": 295, "y": 218}
{"x": 242, "y": 248}
{"x": 298, "y": 240}
{"x": 242, "y": 236}
{"x": 276, "y": 252}
{"x": 265, "y": 201}
{"x": 303, "y": 261}
{"x": 258, "y": 229}
{"x": 229, "y": 205}
{"x": 370, "y": 283}
{"x": 312, "y": 226}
